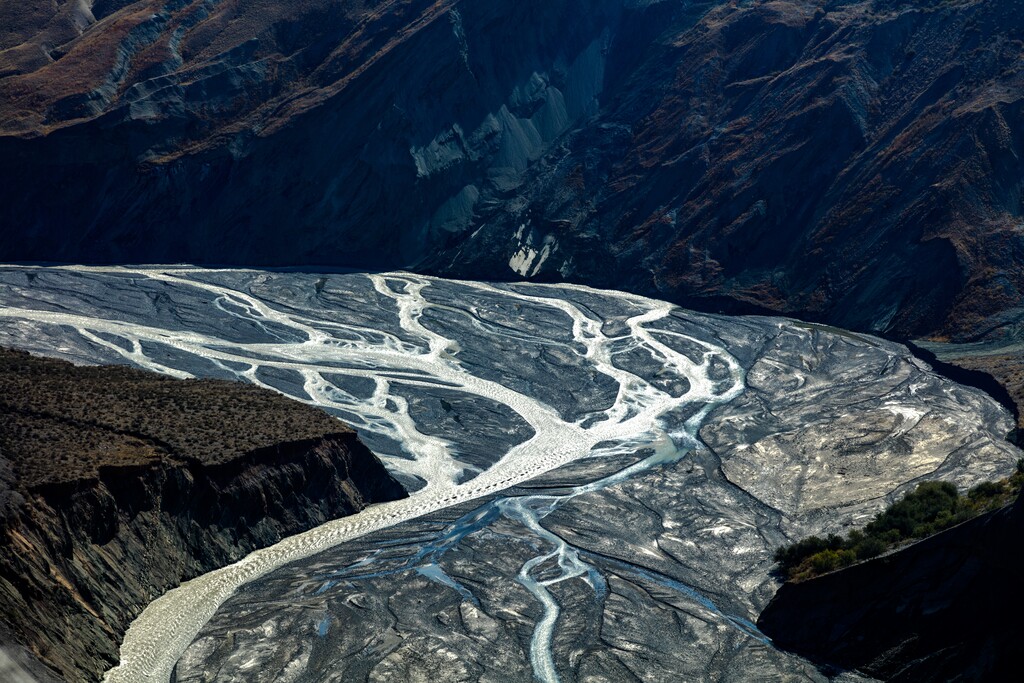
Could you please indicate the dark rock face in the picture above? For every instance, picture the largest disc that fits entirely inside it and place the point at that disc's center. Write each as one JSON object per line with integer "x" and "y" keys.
{"x": 84, "y": 558}
{"x": 925, "y": 613}
{"x": 854, "y": 162}
{"x": 827, "y": 159}
{"x": 283, "y": 136}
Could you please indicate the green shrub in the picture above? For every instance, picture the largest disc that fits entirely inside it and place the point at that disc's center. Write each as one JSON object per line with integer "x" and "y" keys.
{"x": 986, "y": 489}
{"x": 870, "y": 547}
{"x": 916, "y": 510}
{"x": 930, "y": 508}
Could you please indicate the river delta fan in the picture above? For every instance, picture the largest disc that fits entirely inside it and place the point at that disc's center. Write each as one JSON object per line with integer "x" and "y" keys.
{"x": 666, "y": 428}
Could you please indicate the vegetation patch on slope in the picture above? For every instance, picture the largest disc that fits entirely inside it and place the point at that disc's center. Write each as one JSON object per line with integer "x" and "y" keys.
{"x": 930, "y": 508}
{"x": 60, "y": 422}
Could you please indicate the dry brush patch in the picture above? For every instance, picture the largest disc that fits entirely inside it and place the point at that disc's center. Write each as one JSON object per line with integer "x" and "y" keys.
{"x": 60, "y": 422}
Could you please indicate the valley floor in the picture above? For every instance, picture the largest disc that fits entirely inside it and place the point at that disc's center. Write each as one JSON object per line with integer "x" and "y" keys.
{"x": 598, "y": 480}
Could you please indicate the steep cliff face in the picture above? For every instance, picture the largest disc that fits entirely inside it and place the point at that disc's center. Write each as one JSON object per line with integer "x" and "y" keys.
{"x": 82, "y": 559}
{"x": 355, "y": 133}
{"x": 937, "y": 608}
{"x": 855, "y": 162}
{"x": 851, "y": 162}
{"x": 111, "y": 520}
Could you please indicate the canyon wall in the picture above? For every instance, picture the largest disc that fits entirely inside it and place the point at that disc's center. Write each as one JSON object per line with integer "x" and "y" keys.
{"x": 83, "y": 558}
{"x": 857, "y": 163}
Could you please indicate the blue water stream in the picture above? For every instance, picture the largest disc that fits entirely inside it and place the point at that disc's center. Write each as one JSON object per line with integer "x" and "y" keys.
{"x": 528, "y": 511}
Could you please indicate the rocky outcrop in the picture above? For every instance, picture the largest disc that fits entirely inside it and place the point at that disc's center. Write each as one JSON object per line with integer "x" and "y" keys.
{"x": 81, "y": 559}
{"x": 852, "y": 162}
{"x": 116, "y": 485}
{"x": 936, "y": 609}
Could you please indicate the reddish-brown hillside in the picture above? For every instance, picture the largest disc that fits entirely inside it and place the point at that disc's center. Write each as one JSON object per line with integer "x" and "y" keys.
{"x": 853, "y": 162}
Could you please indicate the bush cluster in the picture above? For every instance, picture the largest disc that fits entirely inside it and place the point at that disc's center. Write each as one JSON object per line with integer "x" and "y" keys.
{"x": 930, "y": 508}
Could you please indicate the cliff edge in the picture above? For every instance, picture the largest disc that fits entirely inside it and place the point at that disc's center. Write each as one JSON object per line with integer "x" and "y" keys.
{"x": 935, "y": 607}
{"x": 116, "y": 485}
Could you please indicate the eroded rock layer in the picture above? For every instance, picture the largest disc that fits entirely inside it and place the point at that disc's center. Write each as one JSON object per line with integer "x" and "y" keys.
{"x": 97, "y": 521}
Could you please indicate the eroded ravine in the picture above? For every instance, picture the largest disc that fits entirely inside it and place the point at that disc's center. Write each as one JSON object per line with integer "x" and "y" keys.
{"x": 467, "y": 389}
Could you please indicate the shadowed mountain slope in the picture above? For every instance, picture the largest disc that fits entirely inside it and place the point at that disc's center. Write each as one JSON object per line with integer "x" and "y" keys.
{"x": 854, "y": 162}
{"x": 935, "y": 611}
